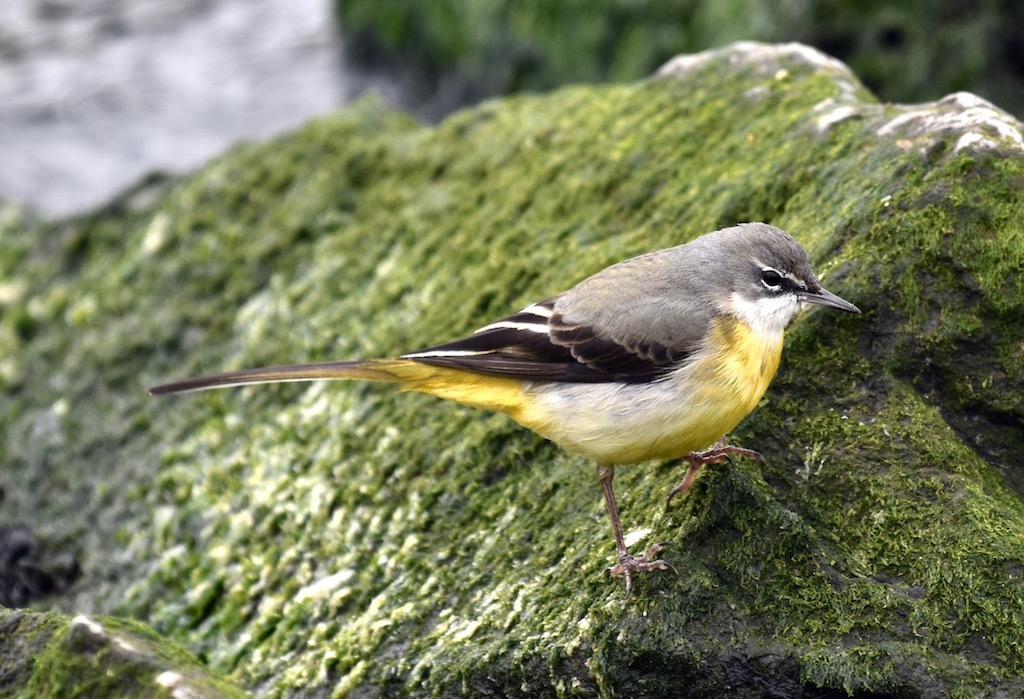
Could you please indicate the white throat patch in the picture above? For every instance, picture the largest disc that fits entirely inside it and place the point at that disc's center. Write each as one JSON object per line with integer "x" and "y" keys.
{"x": 767, "y": 316}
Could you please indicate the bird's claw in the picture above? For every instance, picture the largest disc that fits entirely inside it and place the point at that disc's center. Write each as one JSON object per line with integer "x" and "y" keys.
{"x": 629, "y": 564}
{"x": 720, "y": 452}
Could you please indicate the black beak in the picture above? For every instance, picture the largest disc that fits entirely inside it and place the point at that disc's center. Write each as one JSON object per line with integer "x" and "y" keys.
{"x": 824, "y": 297}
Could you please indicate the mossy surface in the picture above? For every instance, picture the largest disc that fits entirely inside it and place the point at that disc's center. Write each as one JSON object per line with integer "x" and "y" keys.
{"x": 49, "y": 655}
{"x": 332, "y": 538}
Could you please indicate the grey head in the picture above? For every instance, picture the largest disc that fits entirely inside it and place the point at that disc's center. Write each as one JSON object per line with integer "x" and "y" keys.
{"x": 761, "y": 274}
{"x": 669, "y": 298}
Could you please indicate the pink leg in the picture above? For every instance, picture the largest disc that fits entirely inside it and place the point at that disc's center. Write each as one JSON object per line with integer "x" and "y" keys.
{"x": 716, "y": 454}
{"x": 628, "y": 564}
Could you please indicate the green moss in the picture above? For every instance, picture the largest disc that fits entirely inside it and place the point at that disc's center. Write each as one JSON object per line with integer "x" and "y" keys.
{"x": 350, "y": 538}
{"x": 48, "y": 655}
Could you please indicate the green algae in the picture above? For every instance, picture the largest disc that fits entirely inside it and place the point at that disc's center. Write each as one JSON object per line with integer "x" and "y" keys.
{"x": 347, "y": 538}
{"x": 49, "y": 655}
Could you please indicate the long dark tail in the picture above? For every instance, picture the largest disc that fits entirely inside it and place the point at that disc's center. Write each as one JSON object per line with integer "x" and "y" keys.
{"x": 367, "y": 370}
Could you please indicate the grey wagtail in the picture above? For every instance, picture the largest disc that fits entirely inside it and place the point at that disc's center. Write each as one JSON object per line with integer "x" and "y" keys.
{"x": 656, "y": 357}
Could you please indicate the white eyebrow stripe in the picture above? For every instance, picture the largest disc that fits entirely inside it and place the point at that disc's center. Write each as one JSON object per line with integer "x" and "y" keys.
{"x": 510, "y": 325}
{"x": 788, "y": 275}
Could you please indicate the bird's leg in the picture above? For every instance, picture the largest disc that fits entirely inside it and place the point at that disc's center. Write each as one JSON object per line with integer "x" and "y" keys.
{"x": 628, "y": 564}
{"x": 721, "y": 451}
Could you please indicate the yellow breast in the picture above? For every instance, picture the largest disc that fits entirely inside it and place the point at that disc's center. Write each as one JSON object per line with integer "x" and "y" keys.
{"x": 688, "y": 410}
{"x": 733, "y": 376}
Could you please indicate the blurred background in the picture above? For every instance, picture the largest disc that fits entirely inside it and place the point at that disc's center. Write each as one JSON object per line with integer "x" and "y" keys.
{"x": 94, "y": 94}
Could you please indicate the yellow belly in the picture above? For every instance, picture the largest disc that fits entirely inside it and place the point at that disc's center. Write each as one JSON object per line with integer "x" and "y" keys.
{"x": 689, "y": 409}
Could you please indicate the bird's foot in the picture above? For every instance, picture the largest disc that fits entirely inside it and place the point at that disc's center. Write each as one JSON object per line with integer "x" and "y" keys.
{"x": 720, "y": 452}
{"x": 629, "y": 564}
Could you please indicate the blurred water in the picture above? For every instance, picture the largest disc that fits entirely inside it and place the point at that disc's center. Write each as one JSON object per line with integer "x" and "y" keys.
{"x": 95, "y": 93}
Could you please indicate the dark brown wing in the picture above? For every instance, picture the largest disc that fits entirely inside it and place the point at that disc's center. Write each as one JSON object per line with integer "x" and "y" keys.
{"x": 538, "y": 343}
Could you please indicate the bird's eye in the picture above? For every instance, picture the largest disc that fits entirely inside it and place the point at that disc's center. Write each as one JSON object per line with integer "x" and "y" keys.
{"x": 771, "y": 279}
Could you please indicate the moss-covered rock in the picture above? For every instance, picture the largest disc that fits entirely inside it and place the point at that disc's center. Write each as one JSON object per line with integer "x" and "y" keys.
{"x": 324, "y": 538}
{"x": 48, "y": 655}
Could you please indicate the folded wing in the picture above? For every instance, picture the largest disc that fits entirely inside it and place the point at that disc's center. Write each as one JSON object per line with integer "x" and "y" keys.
{"x": 541, "y": 343}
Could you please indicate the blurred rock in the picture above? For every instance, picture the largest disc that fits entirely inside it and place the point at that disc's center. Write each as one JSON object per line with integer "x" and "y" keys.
{"x": 96, "y": 93}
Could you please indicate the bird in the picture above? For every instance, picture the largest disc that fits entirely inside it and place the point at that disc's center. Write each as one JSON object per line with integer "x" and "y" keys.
{"x": 657, "y": 357}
